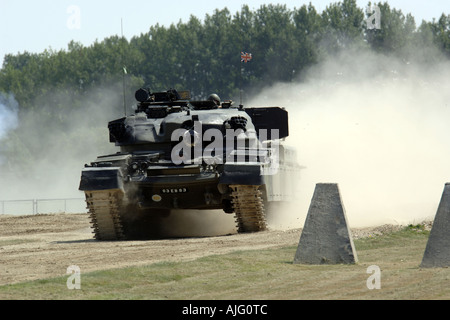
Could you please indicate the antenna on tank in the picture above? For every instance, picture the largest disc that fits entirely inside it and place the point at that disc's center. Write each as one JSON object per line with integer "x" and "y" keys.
{"x": 240, "y": 87}
{"x": 124, "y": 70}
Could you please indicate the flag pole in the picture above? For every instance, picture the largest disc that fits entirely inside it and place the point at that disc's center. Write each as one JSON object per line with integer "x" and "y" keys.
{"x": 245, "y": 57}
{"x": 240, "y": 85}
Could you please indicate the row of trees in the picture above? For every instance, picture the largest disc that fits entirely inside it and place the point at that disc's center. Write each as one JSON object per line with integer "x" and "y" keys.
{"x": 205, "y": 56}
{"x": 61, "y": 91}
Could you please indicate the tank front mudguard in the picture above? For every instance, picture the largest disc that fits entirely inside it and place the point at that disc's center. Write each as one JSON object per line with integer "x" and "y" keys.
{"x": 93, "y": 178}
{"x": 242, "y": 173}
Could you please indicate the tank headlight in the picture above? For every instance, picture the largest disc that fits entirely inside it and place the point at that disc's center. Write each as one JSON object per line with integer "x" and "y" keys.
{"x": 144, "y": 165}
{"x": 134, "y": 166}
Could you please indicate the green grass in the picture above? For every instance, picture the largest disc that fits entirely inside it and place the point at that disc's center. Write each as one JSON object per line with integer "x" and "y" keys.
{"x": 415, "y": 233}
{"x": 261, "y": 274}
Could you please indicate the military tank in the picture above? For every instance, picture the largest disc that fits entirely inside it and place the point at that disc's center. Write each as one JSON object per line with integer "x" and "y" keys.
{"x": 178, "y": 153}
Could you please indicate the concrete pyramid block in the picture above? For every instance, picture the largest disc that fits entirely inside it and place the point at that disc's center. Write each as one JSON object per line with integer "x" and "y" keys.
{"x": 326, "y": 237}
{"x": 437, "y": 251}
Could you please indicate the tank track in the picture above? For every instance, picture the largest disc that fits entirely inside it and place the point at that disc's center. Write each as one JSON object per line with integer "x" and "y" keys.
{"x": 248, "y": 207}
{"x": 104, "y": 209}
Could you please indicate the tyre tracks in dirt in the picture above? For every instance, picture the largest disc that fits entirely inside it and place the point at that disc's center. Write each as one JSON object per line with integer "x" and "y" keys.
{"x": 44, "y": 246}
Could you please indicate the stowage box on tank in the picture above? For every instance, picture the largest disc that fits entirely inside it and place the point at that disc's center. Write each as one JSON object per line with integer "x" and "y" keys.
{"x": 176, "y": 153}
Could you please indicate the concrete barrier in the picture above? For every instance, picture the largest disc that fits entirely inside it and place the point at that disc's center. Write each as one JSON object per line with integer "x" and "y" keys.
{"x": 326, "y": 237}
{"x": 437, "y": 251}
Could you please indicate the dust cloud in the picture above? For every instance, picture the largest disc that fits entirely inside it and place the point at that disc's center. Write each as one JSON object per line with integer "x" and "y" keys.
{"x": 377, "y": 126}
{"x": 8, "y": 114}
{"x": 197, "y": 223}
{"x": 44, "y": 155}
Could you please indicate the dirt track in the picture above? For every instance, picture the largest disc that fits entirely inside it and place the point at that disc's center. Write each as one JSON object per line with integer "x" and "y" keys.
{"x": 44, "y": 246}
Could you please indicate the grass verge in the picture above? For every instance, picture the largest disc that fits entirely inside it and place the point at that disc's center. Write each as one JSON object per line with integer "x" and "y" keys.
{"x": 261, "y": 274}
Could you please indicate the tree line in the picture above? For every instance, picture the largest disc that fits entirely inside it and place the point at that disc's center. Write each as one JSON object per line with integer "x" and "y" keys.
{"x": 202, "y": 56}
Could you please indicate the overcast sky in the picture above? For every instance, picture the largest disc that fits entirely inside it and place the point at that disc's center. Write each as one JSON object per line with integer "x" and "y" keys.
{"x": 36, "y": 25}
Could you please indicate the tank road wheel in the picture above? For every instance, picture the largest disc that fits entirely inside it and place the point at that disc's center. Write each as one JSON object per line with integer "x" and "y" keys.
{"x": 248, "y": 208}
{"x": 104, "y": 210}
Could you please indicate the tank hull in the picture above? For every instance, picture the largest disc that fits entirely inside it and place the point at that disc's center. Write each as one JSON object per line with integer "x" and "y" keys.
{"x": 177, "y": 157}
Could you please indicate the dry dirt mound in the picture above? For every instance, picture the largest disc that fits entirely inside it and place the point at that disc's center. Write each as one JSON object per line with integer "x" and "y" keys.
{"x": 43, "y": 246}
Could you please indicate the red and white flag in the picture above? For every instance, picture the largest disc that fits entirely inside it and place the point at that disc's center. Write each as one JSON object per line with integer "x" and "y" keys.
{"x": 246, "y": 57}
